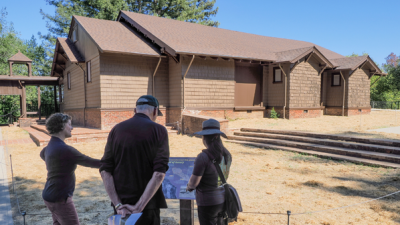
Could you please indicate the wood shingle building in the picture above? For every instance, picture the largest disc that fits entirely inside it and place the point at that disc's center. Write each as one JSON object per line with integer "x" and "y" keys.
{"x": 190, "y": 68}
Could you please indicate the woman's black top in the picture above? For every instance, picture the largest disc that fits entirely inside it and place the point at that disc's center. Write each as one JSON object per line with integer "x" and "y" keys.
{"x": 61, "y": 160}
{"x": 209, "y": 192}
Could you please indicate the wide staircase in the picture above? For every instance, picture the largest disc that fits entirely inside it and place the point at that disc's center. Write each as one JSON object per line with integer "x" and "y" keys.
{"x": 376, "y": 152}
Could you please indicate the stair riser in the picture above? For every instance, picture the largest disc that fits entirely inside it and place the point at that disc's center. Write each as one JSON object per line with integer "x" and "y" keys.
{"x": 382, "y": 149}
{"x": 322, "y": 156}
{"x": 326, "y": 136}
{"x": 317, "y": 148}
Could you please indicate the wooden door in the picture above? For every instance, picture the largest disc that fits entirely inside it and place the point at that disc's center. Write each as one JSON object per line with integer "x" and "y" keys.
{"x": 248, "y": 85}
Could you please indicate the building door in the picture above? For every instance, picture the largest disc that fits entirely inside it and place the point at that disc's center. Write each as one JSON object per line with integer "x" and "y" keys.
{"x": 248, "y": 85}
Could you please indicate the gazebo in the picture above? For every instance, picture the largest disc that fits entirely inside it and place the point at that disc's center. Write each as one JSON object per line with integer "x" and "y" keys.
{"x": 16, "y": 84}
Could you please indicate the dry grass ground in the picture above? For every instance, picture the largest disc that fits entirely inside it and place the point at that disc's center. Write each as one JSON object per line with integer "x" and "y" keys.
{"x": 330, "y": 124}
{"x": 267, "y": 181}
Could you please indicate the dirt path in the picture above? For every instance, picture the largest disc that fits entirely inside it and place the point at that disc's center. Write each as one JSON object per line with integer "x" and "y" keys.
{"x": 5, "y": 206}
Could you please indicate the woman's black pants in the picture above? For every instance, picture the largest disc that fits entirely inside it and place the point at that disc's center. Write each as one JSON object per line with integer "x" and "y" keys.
{"x": 211, "y": 215}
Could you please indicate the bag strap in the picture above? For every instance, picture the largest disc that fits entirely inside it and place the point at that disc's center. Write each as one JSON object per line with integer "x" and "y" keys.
{"x": 221, "y": 175}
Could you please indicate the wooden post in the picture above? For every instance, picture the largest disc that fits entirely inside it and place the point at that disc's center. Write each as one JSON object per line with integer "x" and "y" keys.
{"x": 55, "y": 99}
{"x": 186, "y": 211}
{"x": 39, "y": 103}
{"x": 23, "y": 101}
{"x": 29, "y": 69}
{"x": 59, "y": 96}
{"x": 10, "y": 64}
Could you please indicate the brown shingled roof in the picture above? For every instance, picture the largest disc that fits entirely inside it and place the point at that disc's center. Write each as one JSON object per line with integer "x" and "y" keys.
{"x": 70, "y": 50}
{"x": 351, "y": 63}
{"x": 19, "y": 57}
{"x": 114, "y": 36}
{"x": 190, "y": 38}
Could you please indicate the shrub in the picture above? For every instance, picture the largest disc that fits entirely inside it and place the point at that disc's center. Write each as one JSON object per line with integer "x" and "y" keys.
{"x": 274, "y": 114}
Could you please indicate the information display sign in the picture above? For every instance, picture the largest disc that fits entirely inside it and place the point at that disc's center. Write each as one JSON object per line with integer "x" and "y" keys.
{"x": 177, "y": 177}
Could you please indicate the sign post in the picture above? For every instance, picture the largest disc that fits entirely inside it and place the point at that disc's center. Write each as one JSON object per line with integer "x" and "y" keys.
{"x": 186, "y": 211}
{"x": 174, "y": 186}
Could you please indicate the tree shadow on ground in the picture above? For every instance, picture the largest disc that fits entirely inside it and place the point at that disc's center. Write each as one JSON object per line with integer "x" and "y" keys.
{"x": 90, "y": 198}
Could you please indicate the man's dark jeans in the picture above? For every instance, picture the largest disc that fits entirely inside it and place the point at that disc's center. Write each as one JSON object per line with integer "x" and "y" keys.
{"x": 150, "y": 217}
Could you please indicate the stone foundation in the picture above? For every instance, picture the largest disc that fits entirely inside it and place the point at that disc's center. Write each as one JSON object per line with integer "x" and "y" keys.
{"x": 295, "y": 113}
{"x": 93, "y": 118}
{"x": 229, "y": 114}
{"x": 24, "y": 122}
{"x": 347, "y": 112}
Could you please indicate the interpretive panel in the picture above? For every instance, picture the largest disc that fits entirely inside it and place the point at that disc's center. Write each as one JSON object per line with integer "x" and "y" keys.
{"x": 177, "y": 177}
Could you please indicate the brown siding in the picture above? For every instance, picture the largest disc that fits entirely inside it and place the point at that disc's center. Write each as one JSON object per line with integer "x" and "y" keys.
{"x": 74, "y": 98}
{"x": 305, "y": 85}
{"x": 359, "y": 89}
{"x": 274, "y": 94}
{"x": 124, "y": 78}
{"x": 175, "y": 84}
{"x": 265, "y": 85}
{"x": 86, "y": 47}
{"x": 209, "y": 83}
{"x": 93, "y": 88}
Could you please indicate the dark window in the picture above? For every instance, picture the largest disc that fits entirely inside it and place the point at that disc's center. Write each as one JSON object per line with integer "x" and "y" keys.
{"x": 305, "y": 111}
{"x": 277, "y": 75}
{"x": 69, "y": 81}
{"x": 336, "y": 80}
{"x": 89, "y": 72}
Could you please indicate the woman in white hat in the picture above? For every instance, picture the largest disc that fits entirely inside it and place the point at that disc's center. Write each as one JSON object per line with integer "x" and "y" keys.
{"x": 210, "y": 195}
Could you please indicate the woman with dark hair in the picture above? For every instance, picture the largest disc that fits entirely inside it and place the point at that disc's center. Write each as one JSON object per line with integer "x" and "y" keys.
{"x": 210, "y": 195}
{"x": 61, "y": 161}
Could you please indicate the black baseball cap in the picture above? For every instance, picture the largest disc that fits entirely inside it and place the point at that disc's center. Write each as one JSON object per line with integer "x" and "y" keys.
{"x": 151, "y": 100}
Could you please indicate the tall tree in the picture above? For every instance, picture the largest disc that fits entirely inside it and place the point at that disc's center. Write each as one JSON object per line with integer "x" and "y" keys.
{"x": 195, "y": 11}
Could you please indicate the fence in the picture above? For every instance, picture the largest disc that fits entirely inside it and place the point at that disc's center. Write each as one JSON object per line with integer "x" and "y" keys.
{"x": 45, "y": 109}
{"x": 385, "y": 105}
{"x": 288, "y": 214}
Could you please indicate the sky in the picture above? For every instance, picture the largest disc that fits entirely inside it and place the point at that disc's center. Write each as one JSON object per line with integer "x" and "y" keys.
{"x": 346, "y": 27}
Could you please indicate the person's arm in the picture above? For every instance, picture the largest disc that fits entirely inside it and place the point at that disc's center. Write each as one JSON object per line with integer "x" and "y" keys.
{"x": 108, "y": 182}
{"x": 42, "y": 154}
{"x": 194, "y": 181}
{"x": 84, "y": 160}
{"x": 148, "y": 193}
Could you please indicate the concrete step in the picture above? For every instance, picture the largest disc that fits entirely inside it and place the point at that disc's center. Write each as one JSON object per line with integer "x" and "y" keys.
{"x": 322, "y": 148}
{"x": 328, "y": 142}
{"x": 386, "y": 142}
{"x": 322, "y": 154}
{"x": 39, "y": 137}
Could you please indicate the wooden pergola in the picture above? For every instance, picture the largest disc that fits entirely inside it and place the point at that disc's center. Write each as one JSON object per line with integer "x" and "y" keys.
{"x": 16, "y": 84}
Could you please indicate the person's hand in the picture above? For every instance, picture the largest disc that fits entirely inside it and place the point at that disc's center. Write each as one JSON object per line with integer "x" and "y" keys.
{"x": 131, "y": 208}
{"x": 123, "y": 211}
{"x": 189, "y": 189}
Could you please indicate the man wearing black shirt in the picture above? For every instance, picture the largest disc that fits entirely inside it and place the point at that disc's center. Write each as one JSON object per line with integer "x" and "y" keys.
{"x": 135, "y": 161}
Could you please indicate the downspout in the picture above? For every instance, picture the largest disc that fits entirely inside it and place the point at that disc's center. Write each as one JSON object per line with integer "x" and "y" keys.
{"x": 154, "y": 74}
{"x": 344, "y": 92}
{"x": 183, "y": 94}
{"x": 284, "y": 107}
{"x": 184, "y": 77}
{"x": 84, "y": 94}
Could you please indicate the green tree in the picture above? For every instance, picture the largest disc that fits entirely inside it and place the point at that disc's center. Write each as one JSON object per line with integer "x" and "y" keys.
{"x": 195, "y": 11}
{"x": 10, "y": 43}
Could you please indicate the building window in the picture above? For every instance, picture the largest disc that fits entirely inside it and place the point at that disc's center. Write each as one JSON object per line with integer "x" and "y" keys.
{"x": 336, "y": 80}
{"x": 69, "y": 81}
{"x": 277, "y": 75}
{"x": 89, "y": 72}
